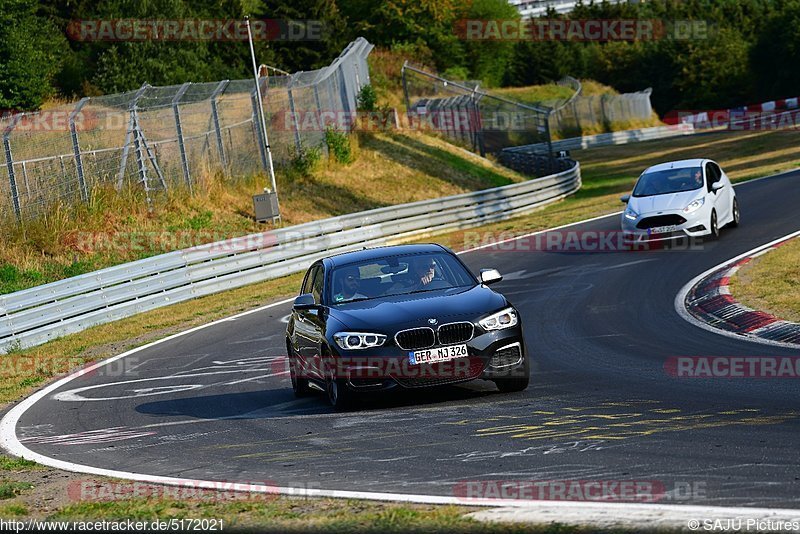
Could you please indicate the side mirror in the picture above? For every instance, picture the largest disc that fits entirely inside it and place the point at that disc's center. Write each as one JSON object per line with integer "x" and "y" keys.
{"x": 716, "y": 186}
{"x": 624, "y": 199}
{"x": 490, "y": 276}
{"x": 304, "y": 301}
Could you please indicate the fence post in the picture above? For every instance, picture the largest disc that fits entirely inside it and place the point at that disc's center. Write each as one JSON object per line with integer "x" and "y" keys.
{"x": 179, "y": 129}
{"x": 405, "y": 87}
{"x": 131, "y": 125}
{"x": 603, "y": 113}
{"x": 77, "y": 149}
{"x": 257, "y": 128}
{"x": 294, "y": 113}
{"x": 12, "y": 179}
{"x": 215, "y": 116}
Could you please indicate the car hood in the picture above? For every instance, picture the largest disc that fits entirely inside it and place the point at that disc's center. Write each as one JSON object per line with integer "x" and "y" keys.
{"x": 668, "y": 201}
{"x": 407, "y": 311}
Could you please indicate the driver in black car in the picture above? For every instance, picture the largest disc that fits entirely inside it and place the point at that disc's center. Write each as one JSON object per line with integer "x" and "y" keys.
{"x": 421, "y": 272}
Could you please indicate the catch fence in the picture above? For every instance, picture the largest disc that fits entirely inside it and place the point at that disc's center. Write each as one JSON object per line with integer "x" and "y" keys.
{"x": 159, "y": 138}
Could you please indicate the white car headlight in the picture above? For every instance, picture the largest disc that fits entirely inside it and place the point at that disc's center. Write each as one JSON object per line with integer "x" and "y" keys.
{"x": 630, "y": 214}
{"x": 694, "y": 205}
{"x": 497, "y": 321}
{"x": 358, "y": 340}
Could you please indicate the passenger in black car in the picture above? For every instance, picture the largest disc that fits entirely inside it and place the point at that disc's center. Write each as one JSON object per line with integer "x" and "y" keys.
{"x": 350, "y": 285}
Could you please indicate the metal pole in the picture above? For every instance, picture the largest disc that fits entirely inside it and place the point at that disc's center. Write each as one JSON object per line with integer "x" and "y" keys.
{"x": 131, "y": 124}
{"x": 140, "y": 160}
{"x": 405, "y": 87}
{"x": 150, "y": 155}
{"x": 261, "y": 109}
{"x": 12, "y": 179}
{"x": 257, "y": 129}
{"x": 215, "y": 117}
{"x": 77, "y": 149}
{"x": 294, "y": 115}
{"x": 179, "y": 129}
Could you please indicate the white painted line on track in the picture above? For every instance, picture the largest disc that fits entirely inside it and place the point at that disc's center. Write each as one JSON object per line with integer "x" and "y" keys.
{"x": 10, "y": 442}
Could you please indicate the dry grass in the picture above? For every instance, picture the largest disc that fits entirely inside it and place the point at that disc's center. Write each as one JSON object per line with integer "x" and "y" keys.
{"x": 743, "y": 155}
{"x": 390, "y": 168}
{"x": 771, "y": 283}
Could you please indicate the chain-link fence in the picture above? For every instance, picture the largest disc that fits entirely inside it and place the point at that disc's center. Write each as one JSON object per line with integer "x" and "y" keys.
{"x": 463, "y": 111}
{"x": 167, "y": 137}
{"x": 489, "y": 123}
{"x": 592, "y": 114}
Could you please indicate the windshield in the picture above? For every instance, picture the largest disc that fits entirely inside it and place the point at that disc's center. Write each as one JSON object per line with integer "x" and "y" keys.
{"x": 669, "y": 181}
{"x": 397, "y": 275}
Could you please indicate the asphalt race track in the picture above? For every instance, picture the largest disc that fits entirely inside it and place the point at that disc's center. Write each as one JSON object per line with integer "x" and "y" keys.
{"x": 216, "y": 404}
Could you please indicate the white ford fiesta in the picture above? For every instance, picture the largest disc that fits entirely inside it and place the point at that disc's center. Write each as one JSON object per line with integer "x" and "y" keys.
{"x": 693, "y": 198}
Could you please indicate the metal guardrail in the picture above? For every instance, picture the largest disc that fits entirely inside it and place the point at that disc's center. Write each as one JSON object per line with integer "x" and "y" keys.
{"x": 40, "y": 314}
{"x": 613, "y": 138}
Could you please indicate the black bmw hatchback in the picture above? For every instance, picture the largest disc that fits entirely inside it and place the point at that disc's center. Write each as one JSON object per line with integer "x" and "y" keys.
{"x": 404, "y": 316}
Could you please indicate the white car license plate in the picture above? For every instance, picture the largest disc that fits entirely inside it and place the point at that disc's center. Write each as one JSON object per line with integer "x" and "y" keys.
{"x": 437, "y": 354}
{"x": 663, "y": 229}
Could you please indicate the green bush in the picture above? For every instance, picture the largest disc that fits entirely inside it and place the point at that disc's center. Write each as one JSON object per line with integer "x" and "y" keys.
{"x": 367, "y": 99}
{"x": 305, "y": 160}
{"x": 339, "y": 145}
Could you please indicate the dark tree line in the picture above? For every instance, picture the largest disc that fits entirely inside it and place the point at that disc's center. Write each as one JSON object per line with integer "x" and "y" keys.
{"x": 749, "y": 54}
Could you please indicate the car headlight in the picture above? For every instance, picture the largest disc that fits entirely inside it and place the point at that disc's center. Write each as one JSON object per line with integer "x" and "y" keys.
{"x": 497, "y": 321}
{"x": 630, "y": 214}
{"x": 358, "y": 340}
{"x": 694, "y": 205}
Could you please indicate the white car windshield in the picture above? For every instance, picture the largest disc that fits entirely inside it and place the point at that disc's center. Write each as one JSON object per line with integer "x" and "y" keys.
{"x": 669, "y": 181}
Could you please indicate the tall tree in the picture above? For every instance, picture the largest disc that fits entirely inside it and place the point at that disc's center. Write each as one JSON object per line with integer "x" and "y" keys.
{"x": 28, "y": 55}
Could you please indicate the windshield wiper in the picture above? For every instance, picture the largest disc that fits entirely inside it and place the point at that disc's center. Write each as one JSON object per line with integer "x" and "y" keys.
{"x": 354, "y": 300}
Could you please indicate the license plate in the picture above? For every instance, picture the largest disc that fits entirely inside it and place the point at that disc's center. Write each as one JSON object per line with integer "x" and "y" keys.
{"x": 663, "y": 229}
{"x": 437, "y": 354}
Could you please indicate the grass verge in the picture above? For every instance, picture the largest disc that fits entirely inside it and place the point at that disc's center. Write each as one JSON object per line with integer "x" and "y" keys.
{"x": 302, "y": 515}
{"x": 771, "y": 283}
{"x": 607, "y": 172}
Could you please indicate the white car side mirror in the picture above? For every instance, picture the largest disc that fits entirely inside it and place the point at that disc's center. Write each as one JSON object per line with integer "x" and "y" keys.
{"x": 716, "y": 186}
{"x": 624, "y": 199}
{"x": 490, "y": 276}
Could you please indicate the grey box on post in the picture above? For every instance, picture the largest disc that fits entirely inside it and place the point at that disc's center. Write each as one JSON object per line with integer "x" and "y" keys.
{"x": 266, "y": 206}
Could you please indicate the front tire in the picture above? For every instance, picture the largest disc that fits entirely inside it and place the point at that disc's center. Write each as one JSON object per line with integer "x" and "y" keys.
{"x": 735, "y": 209}
{"x": 518, "y": 381}
{"x": 714, "y": 225}
{"x": 299, "y": 385}
{"x": 341, "y": 397}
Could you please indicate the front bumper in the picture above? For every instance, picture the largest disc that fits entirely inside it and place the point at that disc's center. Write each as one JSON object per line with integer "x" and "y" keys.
{"x": 489, "y": 354}
{"x": 696, "y": 224}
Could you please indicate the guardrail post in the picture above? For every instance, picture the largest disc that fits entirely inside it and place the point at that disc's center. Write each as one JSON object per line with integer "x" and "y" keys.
{"x": 179, "y": 130}
{"x": 12, "y": 179}
{"x": 215, "y": 116}
{"x": 294, "y": 113}
{"x": 73, "y": 130}
{"x": 257, "y": 129}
